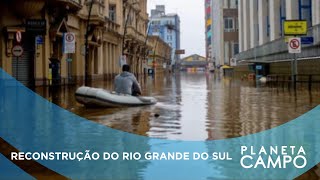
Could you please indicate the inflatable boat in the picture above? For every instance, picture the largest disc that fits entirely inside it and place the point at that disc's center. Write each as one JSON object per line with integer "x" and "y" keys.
{"x": 102, "y": 98}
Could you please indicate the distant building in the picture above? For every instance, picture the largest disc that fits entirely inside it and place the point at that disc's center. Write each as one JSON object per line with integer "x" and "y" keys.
{"x": 194, "y": 63}
{"x": 167, "y": 27}
{"x": 159, "y": 58}
{"x": 225, "y": 38}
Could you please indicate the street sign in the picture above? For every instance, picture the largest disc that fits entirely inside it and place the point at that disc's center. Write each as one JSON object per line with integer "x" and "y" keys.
{"x": 39, "y": 40}
{"x": 307, "y": 40}
{"x": 17, "y": 50}
{"x": 180, "y": 51}
{"x": 36, "y": 26}
{"x": 69, "y": 59}
{"x": 69, "y": 43}
{"x": 258, "y": 67}
{"x": 18, "y": 36}
{"x": 295, "y": 27}
{"x": 294, "y": 45}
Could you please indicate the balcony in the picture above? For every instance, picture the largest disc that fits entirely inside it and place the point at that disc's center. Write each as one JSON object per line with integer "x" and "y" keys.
{"x": 112, "y": 26}
{"x": 97, "y": 13}
{"x": 133, "y": 34}
{"x": 73, "y": 5}
{"x": 27, "y": 8}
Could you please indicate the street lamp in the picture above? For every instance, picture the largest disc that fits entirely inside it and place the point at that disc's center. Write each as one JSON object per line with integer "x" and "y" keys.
{"x": 89, "y": 5}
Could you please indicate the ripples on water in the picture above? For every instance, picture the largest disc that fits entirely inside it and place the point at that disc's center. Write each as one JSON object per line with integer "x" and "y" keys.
{"x": 196, "y": 106}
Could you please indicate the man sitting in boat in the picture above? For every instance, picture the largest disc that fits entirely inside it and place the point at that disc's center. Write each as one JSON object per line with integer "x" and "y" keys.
{"x": 126, "y": 82}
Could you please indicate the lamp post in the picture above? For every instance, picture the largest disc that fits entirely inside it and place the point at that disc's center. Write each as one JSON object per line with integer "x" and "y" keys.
{"x": 89, "y": 5}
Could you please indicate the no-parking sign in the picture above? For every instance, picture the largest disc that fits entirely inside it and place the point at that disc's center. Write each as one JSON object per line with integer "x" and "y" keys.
{"x": 69, "y": 43}
{"x": 18, "y": 36}
{"x": 294, "y": 45}
{"x": 17, "y": 50}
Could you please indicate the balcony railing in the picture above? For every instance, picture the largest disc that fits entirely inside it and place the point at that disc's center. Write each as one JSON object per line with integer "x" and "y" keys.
{"x": 27, "y": 9}
{"x": 97, "y": 13}
{"x": 72, "y": 4}
{"x": 278, "y": 49}
{"x": 133, "y": 33}
{"x": 111, "y": 25}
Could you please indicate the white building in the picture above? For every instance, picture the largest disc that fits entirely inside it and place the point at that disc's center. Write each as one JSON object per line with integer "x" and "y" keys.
{"x": 261, "y": 21}
{"x": 224, "y": 31}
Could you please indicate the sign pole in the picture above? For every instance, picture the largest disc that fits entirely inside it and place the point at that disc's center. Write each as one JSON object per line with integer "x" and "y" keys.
{"x": 17, "y": 51}
{"x": 295, "y": 71}
{"x": 292, "y": 71}
{"x": 296, "y": 28}
{"x": 294, "y": 47}
{"x": 17, "y": 68}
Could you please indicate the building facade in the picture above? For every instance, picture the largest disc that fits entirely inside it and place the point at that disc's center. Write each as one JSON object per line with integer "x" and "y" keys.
{"x": 44, "y": 24}
{"x": 135, "y": 45}
{"x": 225, "y": 38}
{"x": 262, "y": 35}
{"x": 167, "y": 27}
{"x": 208, "y": 28}
{"x": 194, "y": 63}
{"x": 160, "y": 56}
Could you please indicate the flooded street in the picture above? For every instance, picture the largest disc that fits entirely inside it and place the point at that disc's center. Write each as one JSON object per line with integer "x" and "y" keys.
{"x": 196, "y": 106}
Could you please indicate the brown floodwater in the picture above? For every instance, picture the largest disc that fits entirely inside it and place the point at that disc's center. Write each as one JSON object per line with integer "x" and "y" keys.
{"x": 196, "y": 106}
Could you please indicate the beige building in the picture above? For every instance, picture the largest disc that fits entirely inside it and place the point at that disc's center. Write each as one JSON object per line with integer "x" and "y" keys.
{"x": 135, "y": 45}
{"x": 160, "y": 56}
{"x": 42, "y": 25}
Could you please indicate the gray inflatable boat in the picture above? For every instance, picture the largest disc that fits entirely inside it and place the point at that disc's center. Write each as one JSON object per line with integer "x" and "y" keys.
{"x": 101, "y": 98}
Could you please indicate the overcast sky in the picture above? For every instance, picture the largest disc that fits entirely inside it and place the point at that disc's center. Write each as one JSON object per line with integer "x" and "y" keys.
{"x": 191, "y": 14}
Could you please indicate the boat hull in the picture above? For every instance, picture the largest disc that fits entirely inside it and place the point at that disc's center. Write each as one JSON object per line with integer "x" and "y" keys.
{"x": 95, "y": 97}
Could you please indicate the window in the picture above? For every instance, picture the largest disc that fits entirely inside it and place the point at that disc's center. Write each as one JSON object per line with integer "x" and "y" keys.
{"x": 282, "y": 16}
{"x": 235, "y": 48}
{"x": 233, "y": 4}
{"x": 112, "y": 12}
{"x": 156, "y": 22}
{"x": 155, "y": 29}
{"x": 305, "y": 11}
{"x": 228, "y": 24}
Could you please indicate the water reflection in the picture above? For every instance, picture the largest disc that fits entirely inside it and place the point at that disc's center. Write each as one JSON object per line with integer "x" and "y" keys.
{"x": 196, "y": 106}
